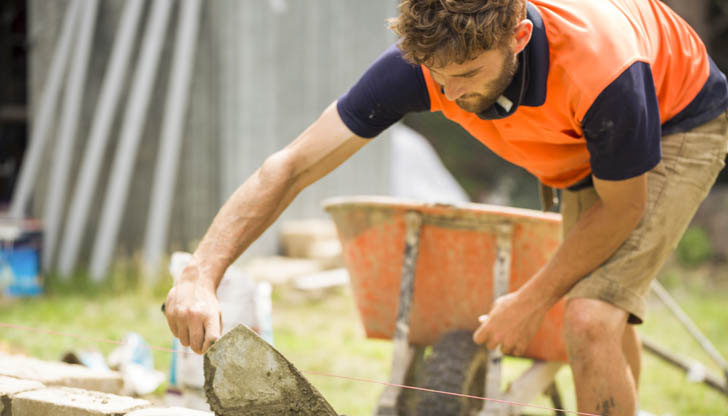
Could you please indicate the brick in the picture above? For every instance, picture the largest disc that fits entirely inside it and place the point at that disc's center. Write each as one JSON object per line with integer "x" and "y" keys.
{"x": 60, "y": 374}
{"x": 10, "y": 386}
{"x": 327, "y": 253}
{"x": 280, "y": 270}
{"x": 68, "y": 401}
{"x": 169, "y": 411}
{"x": 298, "y": 236}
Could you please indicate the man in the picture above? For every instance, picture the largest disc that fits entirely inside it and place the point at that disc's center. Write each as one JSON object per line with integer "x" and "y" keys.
{"x": 613, "y": 101}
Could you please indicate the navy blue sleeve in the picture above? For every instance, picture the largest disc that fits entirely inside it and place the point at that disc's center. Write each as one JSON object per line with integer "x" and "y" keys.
{"x": 389, "y": 89}
{"x": 622, "y": 127}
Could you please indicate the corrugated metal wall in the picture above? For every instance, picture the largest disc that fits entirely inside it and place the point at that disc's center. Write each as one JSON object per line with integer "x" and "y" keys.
{"x": 264, "y": 70}
{"x": 294, "y": 58}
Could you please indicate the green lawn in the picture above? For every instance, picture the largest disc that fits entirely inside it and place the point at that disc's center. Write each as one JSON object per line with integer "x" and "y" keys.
{"x": 323, "y": 334}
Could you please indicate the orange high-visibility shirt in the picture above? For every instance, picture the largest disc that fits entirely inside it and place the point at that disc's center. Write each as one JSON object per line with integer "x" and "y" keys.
{"x": 597, "y": 86}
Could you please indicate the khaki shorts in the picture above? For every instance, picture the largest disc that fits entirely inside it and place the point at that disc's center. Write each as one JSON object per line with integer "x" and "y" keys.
{"x": 690, "y": 164}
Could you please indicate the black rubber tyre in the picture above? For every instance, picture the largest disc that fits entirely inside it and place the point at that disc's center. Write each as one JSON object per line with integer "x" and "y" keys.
{"x": 457, "y": 365}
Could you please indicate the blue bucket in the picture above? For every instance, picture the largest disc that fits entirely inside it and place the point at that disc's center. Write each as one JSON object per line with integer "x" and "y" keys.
{"x": 21, "y": 242}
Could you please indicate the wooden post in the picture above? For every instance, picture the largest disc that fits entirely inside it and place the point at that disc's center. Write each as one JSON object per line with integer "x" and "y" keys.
{"x": 685, "y": 320}
{"x": 684, "y": 364}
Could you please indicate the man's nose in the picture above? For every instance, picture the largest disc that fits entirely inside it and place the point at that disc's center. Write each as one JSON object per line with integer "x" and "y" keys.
{"x": 454, "y": 90}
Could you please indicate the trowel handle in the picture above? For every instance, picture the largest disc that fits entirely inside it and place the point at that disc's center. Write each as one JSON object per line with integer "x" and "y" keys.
{"x": 177, "y": 263}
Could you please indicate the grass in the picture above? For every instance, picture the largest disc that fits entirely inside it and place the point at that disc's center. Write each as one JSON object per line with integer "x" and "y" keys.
{"x": 322, "y": 333}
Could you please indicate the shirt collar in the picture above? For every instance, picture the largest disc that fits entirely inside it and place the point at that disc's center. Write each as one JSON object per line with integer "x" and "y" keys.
{"x": 529, "y": 83}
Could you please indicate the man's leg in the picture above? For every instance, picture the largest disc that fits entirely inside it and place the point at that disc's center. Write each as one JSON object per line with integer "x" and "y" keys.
{"x": 594, "y": 332}
{"x": 632, "y": 348}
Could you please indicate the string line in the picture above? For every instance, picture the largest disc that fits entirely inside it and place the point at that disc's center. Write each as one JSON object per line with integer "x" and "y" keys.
{"x": 468, "y": 396}
{"x": 81, "y": 337}
{"x": 316, "y": 373}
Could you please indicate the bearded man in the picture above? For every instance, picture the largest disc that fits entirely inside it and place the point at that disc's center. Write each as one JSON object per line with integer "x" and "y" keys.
{"x": 615, "y": 102}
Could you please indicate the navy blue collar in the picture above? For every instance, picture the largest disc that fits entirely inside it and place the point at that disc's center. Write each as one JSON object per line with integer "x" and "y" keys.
{"x": 529, "y": 83}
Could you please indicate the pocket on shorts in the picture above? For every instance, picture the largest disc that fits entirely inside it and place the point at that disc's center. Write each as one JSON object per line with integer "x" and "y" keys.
{"x": 696, "y": 157}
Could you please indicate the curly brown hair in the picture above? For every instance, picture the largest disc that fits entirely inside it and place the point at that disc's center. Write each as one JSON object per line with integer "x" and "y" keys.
{"x": 438, "y": 32}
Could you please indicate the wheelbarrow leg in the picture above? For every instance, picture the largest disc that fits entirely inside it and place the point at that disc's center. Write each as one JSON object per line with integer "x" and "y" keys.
{"x": 501, "y": 280}
{"x": 403, "y": 352}
{"x": 537, "y": 380}
{"x": 553, "y": 392}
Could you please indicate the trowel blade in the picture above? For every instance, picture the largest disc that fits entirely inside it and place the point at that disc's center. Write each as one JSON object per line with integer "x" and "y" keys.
{"x": 244, "y": 375}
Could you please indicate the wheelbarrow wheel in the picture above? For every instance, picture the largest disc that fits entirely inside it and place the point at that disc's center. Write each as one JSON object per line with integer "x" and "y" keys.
{"x": 457, "y": 365}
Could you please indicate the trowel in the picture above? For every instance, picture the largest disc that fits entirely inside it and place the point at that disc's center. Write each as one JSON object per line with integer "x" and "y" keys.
{"x": 244, "y": 375}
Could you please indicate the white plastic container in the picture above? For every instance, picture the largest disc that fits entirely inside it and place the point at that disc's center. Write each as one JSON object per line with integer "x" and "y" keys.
{"x": 242, "y": 301}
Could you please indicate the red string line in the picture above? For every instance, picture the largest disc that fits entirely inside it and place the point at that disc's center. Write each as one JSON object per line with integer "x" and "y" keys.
{"x": 82, "y": 337}
{"x": 362, "y": 380}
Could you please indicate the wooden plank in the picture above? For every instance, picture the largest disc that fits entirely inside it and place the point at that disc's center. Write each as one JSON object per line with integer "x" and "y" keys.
{"x": 684, "y": 364}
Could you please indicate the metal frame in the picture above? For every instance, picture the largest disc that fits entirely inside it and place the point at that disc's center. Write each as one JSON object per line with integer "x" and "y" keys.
{"x": 501, "y": 280}
{"x": 98, "y": 138}
{"x": 403, "y": 352}
{"x": 122, "y": 169}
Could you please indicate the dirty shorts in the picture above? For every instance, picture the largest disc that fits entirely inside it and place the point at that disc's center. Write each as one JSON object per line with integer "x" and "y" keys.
{"x": 690, "y": 164}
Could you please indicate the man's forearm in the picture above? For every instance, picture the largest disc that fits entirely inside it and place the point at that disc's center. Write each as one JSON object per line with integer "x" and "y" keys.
{"x": 594, "y": 238}
{"x": 244, "y": 216}
{"x": 262, "y": 198}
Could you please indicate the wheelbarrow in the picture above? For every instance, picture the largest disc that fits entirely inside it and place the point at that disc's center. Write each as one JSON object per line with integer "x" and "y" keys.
{"x": 422, "y": 273}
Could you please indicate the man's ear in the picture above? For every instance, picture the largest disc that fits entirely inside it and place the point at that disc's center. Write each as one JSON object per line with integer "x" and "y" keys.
{"x": 522, "y": 36}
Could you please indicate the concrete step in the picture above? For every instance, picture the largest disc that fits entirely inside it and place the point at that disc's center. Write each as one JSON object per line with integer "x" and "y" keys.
{"x": 60, "y": 374}
{"x": 169, "y": 411}
{"x": 68, "y": 401}
{"x": 9, "y": 387}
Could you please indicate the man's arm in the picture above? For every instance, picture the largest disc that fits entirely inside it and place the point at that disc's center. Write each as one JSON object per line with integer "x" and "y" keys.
{"x": 192, "y": 310}
{"x": 593, "y": 239}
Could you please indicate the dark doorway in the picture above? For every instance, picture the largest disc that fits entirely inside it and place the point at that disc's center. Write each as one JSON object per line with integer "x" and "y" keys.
{"x": 13, "y": 93}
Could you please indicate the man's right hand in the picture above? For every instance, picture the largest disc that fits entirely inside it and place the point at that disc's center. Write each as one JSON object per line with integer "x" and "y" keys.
{"x": 193, "y": 311}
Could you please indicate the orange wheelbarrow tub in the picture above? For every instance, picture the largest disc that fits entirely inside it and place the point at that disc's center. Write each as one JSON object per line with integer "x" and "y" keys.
{"x": 454, "y": 268}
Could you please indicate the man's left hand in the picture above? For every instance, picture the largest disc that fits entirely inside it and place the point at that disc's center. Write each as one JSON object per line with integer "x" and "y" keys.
{"x": 511, "y": 324}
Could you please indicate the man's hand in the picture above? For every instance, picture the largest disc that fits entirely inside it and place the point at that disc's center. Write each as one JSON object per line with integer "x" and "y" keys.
{"x": 193, "y": 311}
{"x": 511, "y": 324}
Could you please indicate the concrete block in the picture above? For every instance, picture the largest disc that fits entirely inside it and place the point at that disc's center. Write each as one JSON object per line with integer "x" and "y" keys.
{"x": 280, "y": 270}
{"x": 169, "y": 411}
{"x": 60, "y": 374}
{"x": 10, "y": 386}
{"x": 327, "y": 253}
{"x": 68, "y": 401}
{"x": 297, "y": 237}
{"x": 322, "y": 280}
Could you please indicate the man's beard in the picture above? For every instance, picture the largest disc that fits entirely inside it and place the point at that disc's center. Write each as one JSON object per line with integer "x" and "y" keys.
{"x": 476, "y": 102}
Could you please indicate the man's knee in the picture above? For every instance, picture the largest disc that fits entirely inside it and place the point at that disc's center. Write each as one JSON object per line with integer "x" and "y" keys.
{"x": 591, "y": 325}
